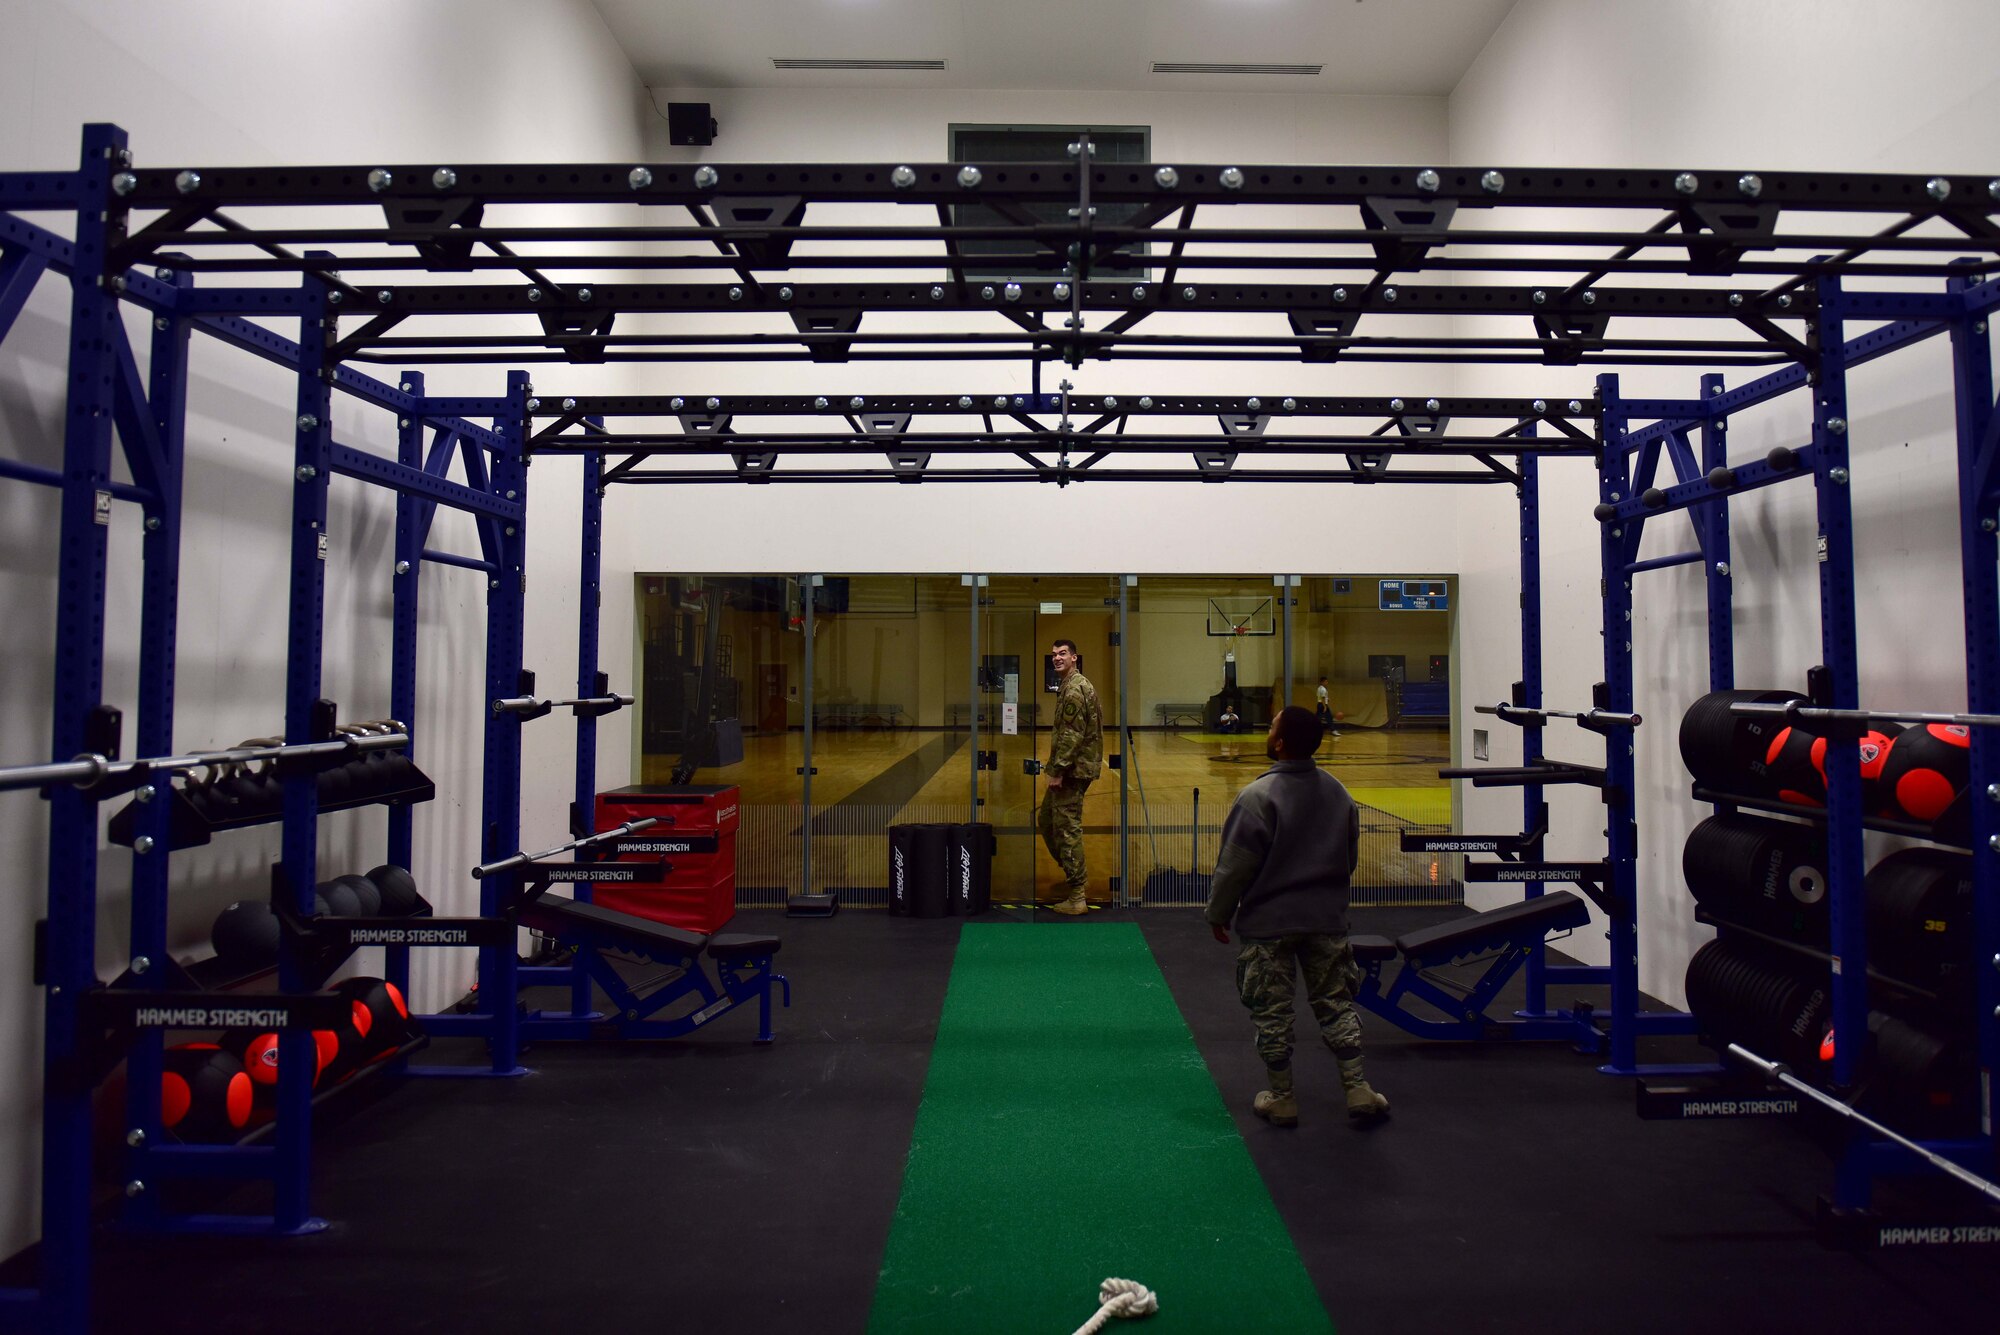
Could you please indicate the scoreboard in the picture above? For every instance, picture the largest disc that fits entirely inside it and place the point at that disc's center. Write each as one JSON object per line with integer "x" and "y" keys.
{"x": 1414, "y": 595}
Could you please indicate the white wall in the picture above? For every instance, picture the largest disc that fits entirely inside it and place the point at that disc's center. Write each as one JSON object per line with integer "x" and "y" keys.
{"x": 1707, "y": 85}
{"x": 243, "y": 81}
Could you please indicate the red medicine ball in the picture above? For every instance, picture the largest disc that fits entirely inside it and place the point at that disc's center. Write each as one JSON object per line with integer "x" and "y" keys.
{"x": 1927, "y": 768}
{"x": 259, "y": 1053}
{"x": 204, "y": 1093}
{"x": 381, "y": 1016}
{"x": 1874, "y": 747}
{"x": 1791, "y": 767}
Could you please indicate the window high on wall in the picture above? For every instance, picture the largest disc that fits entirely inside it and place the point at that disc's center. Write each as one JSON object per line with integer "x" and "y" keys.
{"x": 1041, "y": 143}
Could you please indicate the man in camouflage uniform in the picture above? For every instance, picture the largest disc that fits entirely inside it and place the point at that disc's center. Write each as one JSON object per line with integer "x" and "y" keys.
{"x": 1289, "y": 847}
{"x": 1076, "y": 756}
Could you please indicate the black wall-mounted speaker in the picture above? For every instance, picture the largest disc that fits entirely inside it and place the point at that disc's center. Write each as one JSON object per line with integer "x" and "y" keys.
{"x": 689, "y": 125}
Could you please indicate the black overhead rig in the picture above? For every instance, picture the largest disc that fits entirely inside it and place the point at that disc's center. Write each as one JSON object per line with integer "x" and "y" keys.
{"x": 1311, "y": 438}
{"x": 747, "y": 242}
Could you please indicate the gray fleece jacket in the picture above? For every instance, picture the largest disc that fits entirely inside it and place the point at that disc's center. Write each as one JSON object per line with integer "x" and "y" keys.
{"x": 1288, "y": 848}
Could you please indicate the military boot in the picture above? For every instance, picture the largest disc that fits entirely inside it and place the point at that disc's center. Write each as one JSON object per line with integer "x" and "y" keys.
{"x": 1277, "y": 1105}
{"x": 1363, "y": 1103}
{"x": 1075, "y": 906}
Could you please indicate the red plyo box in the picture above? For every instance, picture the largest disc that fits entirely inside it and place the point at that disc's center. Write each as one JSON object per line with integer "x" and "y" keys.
{"x": 697, "y": 836}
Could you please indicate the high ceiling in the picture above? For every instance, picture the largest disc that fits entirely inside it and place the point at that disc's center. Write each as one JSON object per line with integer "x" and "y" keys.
{"x": 1420, "y": 47}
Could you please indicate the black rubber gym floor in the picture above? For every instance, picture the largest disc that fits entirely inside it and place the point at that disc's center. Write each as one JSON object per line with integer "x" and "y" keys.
{"x": 711, "y": 1185}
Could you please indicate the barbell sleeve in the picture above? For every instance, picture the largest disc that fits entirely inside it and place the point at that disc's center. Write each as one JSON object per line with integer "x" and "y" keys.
{"x": 83, "y": 771}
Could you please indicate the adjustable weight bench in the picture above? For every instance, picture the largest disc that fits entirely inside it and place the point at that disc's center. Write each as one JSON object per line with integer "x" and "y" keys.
{"x": 742, "y": 970}
{"x": 1503, "y": 936}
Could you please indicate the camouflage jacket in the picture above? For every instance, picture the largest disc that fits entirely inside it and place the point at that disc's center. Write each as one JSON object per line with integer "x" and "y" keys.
{"x": 1076, "y": 748}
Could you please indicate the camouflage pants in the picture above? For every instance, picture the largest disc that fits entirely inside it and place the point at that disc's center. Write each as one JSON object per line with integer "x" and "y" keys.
{"x": 1264, "y": 978}
{"x": 1061, "y": 824}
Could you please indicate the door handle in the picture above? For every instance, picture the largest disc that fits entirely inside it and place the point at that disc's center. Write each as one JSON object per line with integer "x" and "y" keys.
{"x": 1031, "y": 766}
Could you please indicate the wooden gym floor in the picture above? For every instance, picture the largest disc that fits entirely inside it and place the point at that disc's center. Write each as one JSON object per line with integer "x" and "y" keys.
{"x": 868, "y": 779}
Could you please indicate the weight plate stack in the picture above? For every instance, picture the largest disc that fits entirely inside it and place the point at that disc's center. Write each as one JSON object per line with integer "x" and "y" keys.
{"x": 1726, "y": 751}
{"x": 1767, "y": 875}
{"x": 1772, "y": 1005}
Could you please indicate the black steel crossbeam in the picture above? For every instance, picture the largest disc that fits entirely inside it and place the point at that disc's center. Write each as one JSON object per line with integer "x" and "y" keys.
{"x": 1100, "y": 295}
{"x": 1511, "y": 410}
{"x": 1040, "y": 471}
{"x": 1040, "y": 334}
{"x": 1120, "y": 183}
{"x": 1052, "y": 238}
{"x": 858, "y": 442}
{"x": 1948, "y": 264}
{"x": 1051, "y": 349}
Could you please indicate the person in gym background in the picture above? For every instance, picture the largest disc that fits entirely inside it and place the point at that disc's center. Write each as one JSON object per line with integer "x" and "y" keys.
{"x": 1076, "y": 755}
{"x": 1289, "y": 848}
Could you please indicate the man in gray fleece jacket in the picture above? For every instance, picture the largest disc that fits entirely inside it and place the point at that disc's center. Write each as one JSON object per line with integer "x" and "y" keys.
{"x": 1288, "y": 848}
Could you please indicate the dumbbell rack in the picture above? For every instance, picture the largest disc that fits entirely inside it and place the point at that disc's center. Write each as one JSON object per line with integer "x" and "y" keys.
{"x": 106, "y": 389}
{"x": 1629, "y": 496}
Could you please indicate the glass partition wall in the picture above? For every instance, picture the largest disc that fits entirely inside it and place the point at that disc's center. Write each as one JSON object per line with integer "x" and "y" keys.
{"x": 843, "y": 705}
{"x": 890, "y": 736}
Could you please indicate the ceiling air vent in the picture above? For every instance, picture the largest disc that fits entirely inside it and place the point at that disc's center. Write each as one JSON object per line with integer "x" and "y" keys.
{"x": 804, "y": 63}
{"x": 1207, "y": 67}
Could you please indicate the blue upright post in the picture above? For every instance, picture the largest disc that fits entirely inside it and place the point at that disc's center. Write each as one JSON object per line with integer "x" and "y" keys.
{"x": 312, "y": 436}
{"x": 589, "y": 601}
{"x": 589, "y": 607}
{"x": 1620, "y": 544}
{"x": 71, "y": 941}
{"x": 1845, "y": 899}
{"x": 165, "y": 407}
{"x": 411, "y": 512}
{"x": 501, "y": 803}
{"x": 408, "y": 574}
{"x": 1532, "y": 795}
{"x": 1972, "y": 362}
{"x": 1712, "y": 519}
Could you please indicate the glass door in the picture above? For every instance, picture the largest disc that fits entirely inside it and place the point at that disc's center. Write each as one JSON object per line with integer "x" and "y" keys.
{"x": 1022, "y": 620}
{"x": 1008, "y": 678}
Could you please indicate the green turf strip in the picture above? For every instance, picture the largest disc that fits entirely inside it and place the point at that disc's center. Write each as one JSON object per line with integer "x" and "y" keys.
{"x": 1070, "y": 1132}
